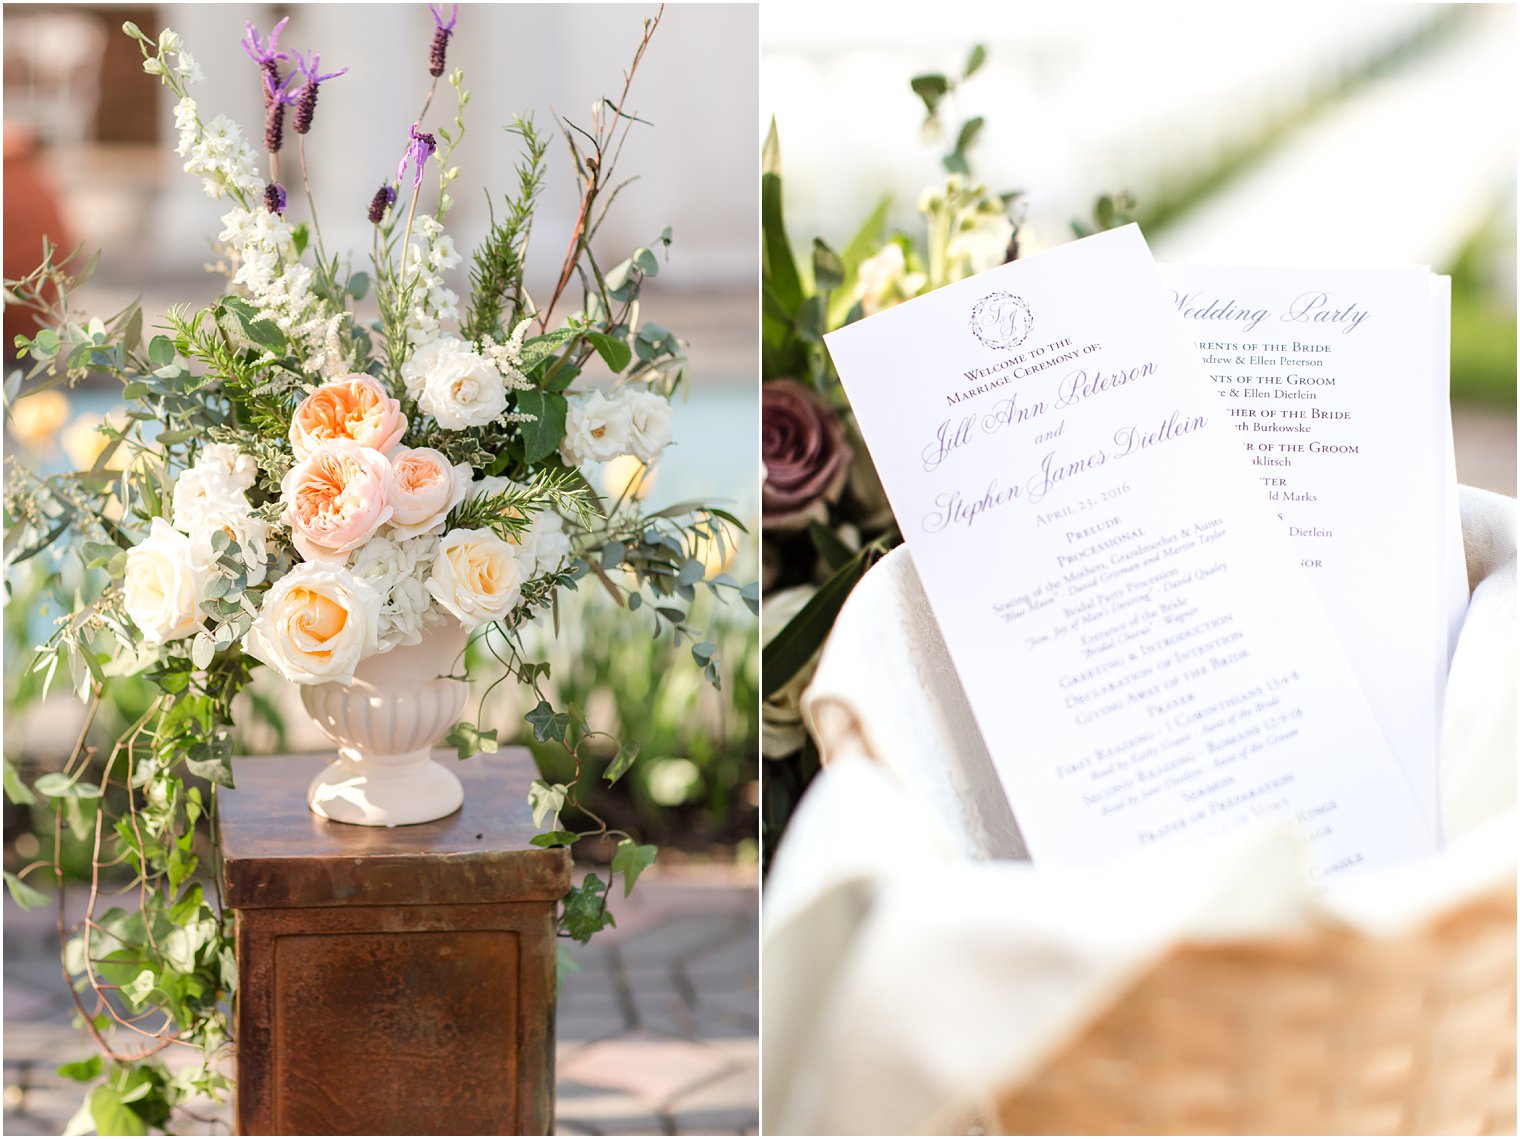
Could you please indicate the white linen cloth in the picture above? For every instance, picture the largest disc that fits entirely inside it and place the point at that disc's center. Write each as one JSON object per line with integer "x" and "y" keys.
{"x": 914, "y": 961}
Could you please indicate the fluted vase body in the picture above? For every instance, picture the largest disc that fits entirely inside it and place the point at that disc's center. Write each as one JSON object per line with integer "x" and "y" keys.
{"x": 385, "y": 725}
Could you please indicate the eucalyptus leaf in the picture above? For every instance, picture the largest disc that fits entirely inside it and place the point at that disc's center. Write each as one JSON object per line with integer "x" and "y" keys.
{"x": 931, "y": 89}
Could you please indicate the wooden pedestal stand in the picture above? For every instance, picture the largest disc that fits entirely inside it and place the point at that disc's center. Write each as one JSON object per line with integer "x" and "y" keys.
{"x": 392, "y": 981}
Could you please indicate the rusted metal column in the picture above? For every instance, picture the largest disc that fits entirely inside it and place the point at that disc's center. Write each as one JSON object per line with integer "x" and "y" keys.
{"x": 392, "y": 981}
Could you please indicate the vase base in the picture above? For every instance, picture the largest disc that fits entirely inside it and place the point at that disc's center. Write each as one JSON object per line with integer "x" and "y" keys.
{"x": 346, "y": 792}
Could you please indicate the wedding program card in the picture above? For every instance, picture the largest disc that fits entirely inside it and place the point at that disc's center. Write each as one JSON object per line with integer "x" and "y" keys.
{"x": 1335, "y": 384}
{"x": 1145, "y": 658}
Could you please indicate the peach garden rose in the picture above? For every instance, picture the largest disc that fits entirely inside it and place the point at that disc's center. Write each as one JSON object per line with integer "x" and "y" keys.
{"x": 353, "y": 407}
{"x": 425, "y": 487}
{"x": 336, "y": 499}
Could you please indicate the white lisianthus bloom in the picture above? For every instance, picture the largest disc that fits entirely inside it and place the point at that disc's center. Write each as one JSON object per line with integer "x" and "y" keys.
{"x": 398, "y": 572}
{"x": 476, "y": 576}
{"x": 649, "y": 419}
{"x": 596, "y": 429}
{"x": 164, "y": 585}
{"x": 316, "y": 624}
{"x": 455, "y": 384}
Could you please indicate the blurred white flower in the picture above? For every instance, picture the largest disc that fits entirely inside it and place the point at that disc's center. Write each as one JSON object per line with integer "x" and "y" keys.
{"x": 781, "y": 730}
{"x": 883, "y": 280}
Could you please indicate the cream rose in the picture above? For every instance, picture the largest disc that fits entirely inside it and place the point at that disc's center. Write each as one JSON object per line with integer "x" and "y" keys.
{"x": 353, "y": 407}
{"x": 425, "y": 487}
{"x": 165, "y": 584}
{"x": 648, "y": 424}
{"x": 316, "y": 624}
{"x": 476, "y": 576}
{"x": 596, "y": 429}
{"x": 336, "y": 499}
{"x": 455, "y": 384}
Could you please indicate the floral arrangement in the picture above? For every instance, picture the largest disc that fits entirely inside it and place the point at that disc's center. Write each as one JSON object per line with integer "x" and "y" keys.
{"x": 825, "y": 519}
{"x": 298, "y": 485}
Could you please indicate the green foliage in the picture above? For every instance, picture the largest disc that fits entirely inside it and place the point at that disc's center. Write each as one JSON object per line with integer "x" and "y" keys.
{"x": 1483, "y": 315}
{"x": 688, "y": 779}
{"x": 934, "y": 89}
{"x": 496, "y": 274}
{"x": 585, "y": 910}
{"x": 1109, "y": 212}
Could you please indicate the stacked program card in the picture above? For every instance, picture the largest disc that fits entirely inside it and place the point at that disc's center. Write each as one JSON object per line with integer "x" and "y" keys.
{"x": 1143, "y": 651}
{"x": 1336, "y": 384}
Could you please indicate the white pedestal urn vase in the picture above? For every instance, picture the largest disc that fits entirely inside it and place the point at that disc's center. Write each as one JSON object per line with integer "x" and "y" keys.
{"x": 386, "y": 724}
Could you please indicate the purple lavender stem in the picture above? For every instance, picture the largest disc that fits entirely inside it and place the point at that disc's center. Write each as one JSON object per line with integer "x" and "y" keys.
{"x": 384, "y": 199}
{"x": 441, "y": 32}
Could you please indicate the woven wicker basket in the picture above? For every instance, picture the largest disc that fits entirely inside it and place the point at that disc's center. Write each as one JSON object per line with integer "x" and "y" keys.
{"x": 1333, "y": 1034}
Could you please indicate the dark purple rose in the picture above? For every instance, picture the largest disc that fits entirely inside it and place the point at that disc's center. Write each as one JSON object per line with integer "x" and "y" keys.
{"x": 804, "y": 454}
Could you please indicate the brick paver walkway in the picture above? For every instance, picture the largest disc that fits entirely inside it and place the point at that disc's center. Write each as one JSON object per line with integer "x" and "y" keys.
{"x": 657, "y": 1031}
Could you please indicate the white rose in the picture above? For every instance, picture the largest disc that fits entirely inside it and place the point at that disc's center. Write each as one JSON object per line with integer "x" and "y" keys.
{"x": 476, "y": 576}
{"x": 426, "y": 487}
{"x": 596, "y": 429}
{"x": 241, "y": 469}
{"x": 205, "y": 492}
{"x": 648, "y": 424}
{"x": 398, "y": 572}
{"x": 454, "y": 384}
{"x": 544, "y": 544}
{"x": 165, "y": 584}
{"x": 316, "y": 624}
